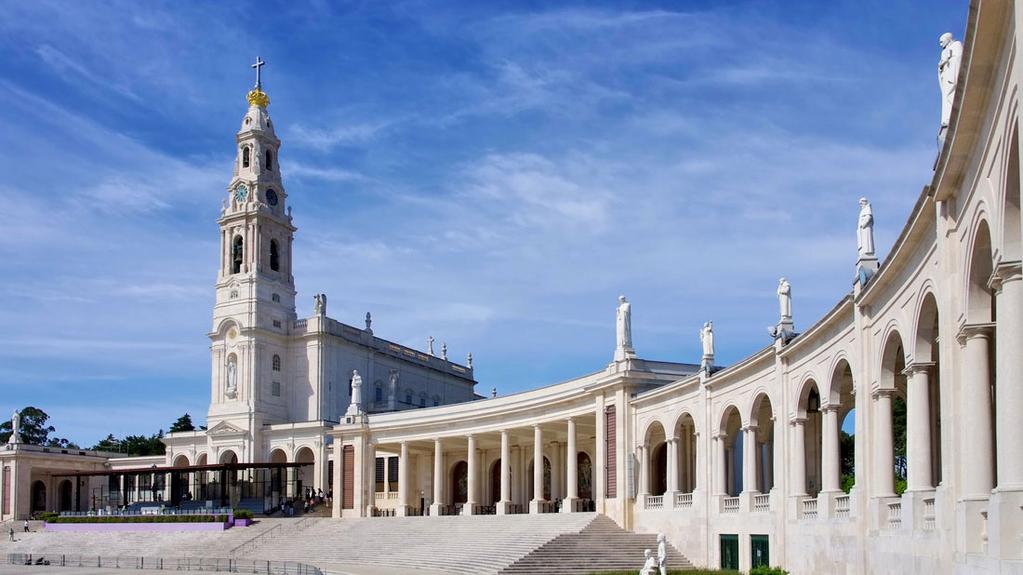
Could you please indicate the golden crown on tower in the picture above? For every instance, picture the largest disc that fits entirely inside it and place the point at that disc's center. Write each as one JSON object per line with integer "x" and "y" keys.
{"x": 257, "y": 97}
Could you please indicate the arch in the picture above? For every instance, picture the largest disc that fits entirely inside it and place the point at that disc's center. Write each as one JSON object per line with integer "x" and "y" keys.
{"x": 275, "y": 257}
{"x": 656, "y": 459}
{"x": 1010, "y": 248}
{"x": 842, "y": 395}
{"x": 685, "y": 431}
{"x": 809, "y": 409}
{"x": 181, "y": 460}
{"x": 38, "y": 496}
{"x": 269, "y": 160}
{"x": 228, "y": 456}
{"x": 278, "y": 456}
{"x": 762, "y": 420}
{"x": 276, "y": 362}
{"x": 460, "y": 482}
{"x": 495, "y": 481}
{"x": 731, "y": 442}
{"x": 246, "y": 151}
{"x": 927, "y": 359}
{"x": 201, "y": 459}
{"x": 979, "y": 297}
{"x": 65, "y": 495}
{"x": 893, "y": 382}
{"x": 584, "y": 476}
{"x": 237, "y": 254}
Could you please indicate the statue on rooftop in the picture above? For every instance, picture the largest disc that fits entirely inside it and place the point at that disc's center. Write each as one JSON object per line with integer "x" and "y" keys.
{"x": 320, "y": 304}
{"x": 429, "y": 345}
{"x": 948, "y": 76}
{"x": 355, "y": 407}
{"x": 865, "y": 230}
{"x": 785, "y": 300}
{"x": 623, "y": 330}
{"x": 15, "y": 427}
{"x": 707, "y": 339}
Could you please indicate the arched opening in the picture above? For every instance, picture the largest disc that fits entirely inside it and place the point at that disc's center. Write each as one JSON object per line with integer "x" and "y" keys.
{"x": 66, "y": 494}
{"x": 278, "y": 477}
{"x": 980, "y": 397}
{"x": 38, "y": 496}
{"x": 201, "y": 480}
{"x": 275, "y": 258}
{"x": 585, "y": 475}
{"x": 495, "y": 482}
{"x": 228, "y": 456}
{"x": 656, "y": 454}
{"x": 237, "y": 254}
{"x": 843, "y": 396}
{"x": 732, "y": 446}
{"x": 762, "y": 421}
{"x": 201, "y": 460}
{"x": 925, "y": 386}
{"x": 181, "y": 460}
{"x": 460, "y": 483}
{"x": 1011, "y": 205}
{"x": 813, "y": 437}
{"x": 546, "y": 480}
{"x": 891, "y": 417}
{"x": 269, "y": 160}
{"x": 245, "y": 156}
{"x": 685, "y": 430}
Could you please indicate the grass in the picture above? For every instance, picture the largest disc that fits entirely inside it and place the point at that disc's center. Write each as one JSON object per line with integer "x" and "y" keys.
{"x": 672, "y": 572}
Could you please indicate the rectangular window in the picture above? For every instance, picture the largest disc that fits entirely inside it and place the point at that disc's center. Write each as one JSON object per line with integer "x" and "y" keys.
{"x": 380, "y": 474}
{"x": 348, "y": 477}
{"x": 275, "y": 389}
{"x": 379, "y": 395}
{"x": 277, "y": 323}
{"x": 392, "y": 473}
{"x": 611, "y": 449}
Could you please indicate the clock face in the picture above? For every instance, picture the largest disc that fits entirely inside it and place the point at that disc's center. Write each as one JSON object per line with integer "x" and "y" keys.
{"x": 240, "y": 193}
{"x": 271, "y": 197}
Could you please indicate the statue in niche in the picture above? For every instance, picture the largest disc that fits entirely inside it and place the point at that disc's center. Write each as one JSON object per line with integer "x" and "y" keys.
{"x": 355, "y": 407}
{"x": 948, "y": 75}
{"x": 707, "y": 339}
{"x": 232, "y": 378}
{"x": 623, "y": 330}
{"x": 865, "y": 230}
{"x": 15, "y": 427}
{"x": 785, "y": 300}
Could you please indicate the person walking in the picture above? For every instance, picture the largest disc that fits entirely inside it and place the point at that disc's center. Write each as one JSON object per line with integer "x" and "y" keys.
{"x": 27, "y": 530}
{"x": 11, "y": 533}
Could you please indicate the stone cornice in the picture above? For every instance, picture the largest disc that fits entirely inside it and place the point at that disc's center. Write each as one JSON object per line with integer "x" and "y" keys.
{"x": 971, "y": 330}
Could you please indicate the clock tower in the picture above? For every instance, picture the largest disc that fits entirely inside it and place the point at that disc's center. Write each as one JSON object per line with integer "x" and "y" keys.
{"x": 255, "y": 299}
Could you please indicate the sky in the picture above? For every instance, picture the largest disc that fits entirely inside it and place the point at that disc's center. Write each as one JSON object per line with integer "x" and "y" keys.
{"x": 492, "y": 174}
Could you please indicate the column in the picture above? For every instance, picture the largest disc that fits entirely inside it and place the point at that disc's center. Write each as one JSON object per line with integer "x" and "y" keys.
{"x": 831, "y": 450}
{"x": 1009, "y": 366}
{"x": 535, "y": 504}
{"x": 505, "y": 500}
{"x": 918, "y": 427}
{"x": 672, "y": 471}
{"x": 884, "y": 458}
{"x": 369, "y": 481}
{"x": 798, "y": 457}
{"x": 749, "y": 459}
{"x": 517, "y": 478}
{"x": 403, "y": 480}
{"x": 599, "y": 464}
{"x": 978, "y": 468}
{"x": 643, "y": 457}
{"x": 719, "y": 464}
{"x": 572, "y": 471}
{"x": 471, "y": 481}
{"x": 438, "y": 478}
{"x": 555, "y": 470}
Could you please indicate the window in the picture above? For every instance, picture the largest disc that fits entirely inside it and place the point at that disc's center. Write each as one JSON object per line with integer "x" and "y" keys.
{"x": 237, "y": 254}
{"x": 277, "y": 323}
{"x": 408, "y": 397}
{"x": 379, "y": 394}
{"x": 269, "y": 160}
{"x": 275, "y": 259}
{"x": 392, "y": 473}
{"x": 422, "y": 401}
{"x": 245, "y": 157}
{"x": 275, "y": 389}
{"x": 276, "y": 298}
{"x": 436, "y": 401}
{"x": 380, "y": 462}
{"x": 277, "y": 362}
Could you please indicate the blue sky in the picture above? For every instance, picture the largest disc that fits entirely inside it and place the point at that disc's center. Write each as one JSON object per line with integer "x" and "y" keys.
{"x": 492, "y": 174}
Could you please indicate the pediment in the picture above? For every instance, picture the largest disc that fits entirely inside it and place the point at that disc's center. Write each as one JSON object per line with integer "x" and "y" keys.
{"x": 224, "y": 428}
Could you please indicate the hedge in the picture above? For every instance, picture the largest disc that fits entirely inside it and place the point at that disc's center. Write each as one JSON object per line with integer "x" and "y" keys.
{"x": 242, "y": 514}
{"x": 143, "y": 519}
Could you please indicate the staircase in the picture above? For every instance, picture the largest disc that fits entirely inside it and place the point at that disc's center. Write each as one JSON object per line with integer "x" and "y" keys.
{"x": 600, "y": 546}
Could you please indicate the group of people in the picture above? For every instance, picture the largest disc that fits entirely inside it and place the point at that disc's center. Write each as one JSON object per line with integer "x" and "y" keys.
{"x": 659, "y": 563}
{"x": 310, "y": 499}
{"x": 11, "y": 530}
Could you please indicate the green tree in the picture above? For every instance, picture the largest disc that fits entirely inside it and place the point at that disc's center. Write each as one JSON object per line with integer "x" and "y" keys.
{"x": 33, "y": 427}
{"x": 109, "y": 443}
{"x": 184, "y": 423}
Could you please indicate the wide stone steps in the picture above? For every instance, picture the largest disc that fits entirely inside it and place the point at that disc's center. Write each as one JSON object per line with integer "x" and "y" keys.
{"x": 601, "y": 546}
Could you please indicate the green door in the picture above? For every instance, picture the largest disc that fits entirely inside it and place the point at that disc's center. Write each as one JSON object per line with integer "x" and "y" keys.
{"x": 759, "y": 551}
{"x": 730, "y": 552}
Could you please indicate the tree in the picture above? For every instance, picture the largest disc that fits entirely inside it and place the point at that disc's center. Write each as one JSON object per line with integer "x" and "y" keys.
{"x": 184, "y": 423}
{"x": 33, "y": 427}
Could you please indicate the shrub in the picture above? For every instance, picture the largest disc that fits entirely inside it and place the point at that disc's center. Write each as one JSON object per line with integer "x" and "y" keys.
{"x": 764, "y": 570}
{"x": 242, "y": 514}
{"x": 143, "y": 519}
{"x": 47, "y": 516}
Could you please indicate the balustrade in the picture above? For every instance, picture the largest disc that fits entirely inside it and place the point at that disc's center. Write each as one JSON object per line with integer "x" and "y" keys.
{"x": 683, "y": 500}
{"x": 928, "y": 514}
{"x": 810, "y": 508}
{"x": 842, "y": 507}
{"x": 729, "y": 504}
{"x": 761, "y": 503}
{"x": 894, "y": 514}
{"x": 654, "y": 502}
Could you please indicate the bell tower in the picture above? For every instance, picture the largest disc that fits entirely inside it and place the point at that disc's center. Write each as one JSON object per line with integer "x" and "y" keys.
{"x": 255, "y": 289}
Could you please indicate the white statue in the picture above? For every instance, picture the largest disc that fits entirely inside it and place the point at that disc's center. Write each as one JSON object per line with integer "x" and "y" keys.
{"x": 468, "y": 360}
{"x": 623, "y": 330}
{"x": 232, "y": 378}
{"x": 707, "y": 339}
{"x": 444, "y": 351}
{"x": 785, "y": 300}
{"x": 355, "y": 407}
{"x": 429, "y": 345}
{"x": 320, "y": 304}
{"x": 948, "y": 75}
{"x": 865, "y": 230}
{"x": 649, "y": 563}
{"x": 15, "y": 428}
{"x": 662, "y": 553}
{"x": 369, "y": 322}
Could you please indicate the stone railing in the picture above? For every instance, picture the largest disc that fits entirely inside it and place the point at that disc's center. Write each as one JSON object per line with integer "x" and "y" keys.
{"x": 928, "y": 514}
{"x": 761, "y": 503}
{"x": 729, "y": 504}
{"x": 894, "y": 514}
{"x": 204, "y": 564}
{"x": 654, "y": 502}
{"x": 683, "y": 500}
{"x": 809, "y": 510}
{"x": 842, "y": 507}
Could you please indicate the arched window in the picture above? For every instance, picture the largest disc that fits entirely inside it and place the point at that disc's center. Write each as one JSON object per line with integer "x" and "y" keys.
{"x": 269, "y": 160}
{"x": 275, "y": 258}
{"x": 379, "y": 394}
{"x": 277, "y": 362}
{"x": 408, "y": 397}
{"x": 237, "y": 254}
{"x": 422, "y": 401}
{"x": 245, "y": 157}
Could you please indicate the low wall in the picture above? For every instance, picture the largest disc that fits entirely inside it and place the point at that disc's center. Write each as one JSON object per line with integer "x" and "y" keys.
{"x": 107, "y": 527}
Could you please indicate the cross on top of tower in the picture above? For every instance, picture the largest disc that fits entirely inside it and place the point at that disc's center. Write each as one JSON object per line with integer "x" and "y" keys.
{"x": 258, "y": 65}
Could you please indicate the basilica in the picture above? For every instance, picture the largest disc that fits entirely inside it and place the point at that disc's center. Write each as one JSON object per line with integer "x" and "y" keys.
{"x": 789, "y": 457}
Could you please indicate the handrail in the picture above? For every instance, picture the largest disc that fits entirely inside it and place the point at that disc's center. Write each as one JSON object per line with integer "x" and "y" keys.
{"x": 216, "y": 564}
{"x": 258, "y": 538}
